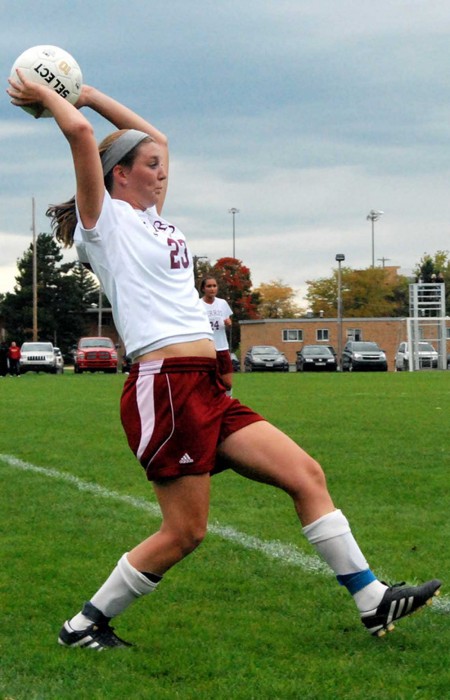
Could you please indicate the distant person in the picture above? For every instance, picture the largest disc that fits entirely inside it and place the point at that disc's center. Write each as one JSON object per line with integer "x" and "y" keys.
{"x": 179, "y": 421}
{"x": 219, "y": 313}
{"x": 3, "y": 359}
{"x": 14, "y": 359}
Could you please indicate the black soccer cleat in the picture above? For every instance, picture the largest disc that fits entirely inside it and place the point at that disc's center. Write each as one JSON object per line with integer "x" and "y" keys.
{"x": 97, "y": 636}
{"x": 398, "y": 601}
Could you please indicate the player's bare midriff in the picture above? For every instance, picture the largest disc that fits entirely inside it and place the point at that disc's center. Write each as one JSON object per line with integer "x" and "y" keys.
{"x": 195, "y": 348}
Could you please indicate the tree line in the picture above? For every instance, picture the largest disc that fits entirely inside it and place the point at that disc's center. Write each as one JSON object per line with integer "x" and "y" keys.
{"x": 64, "y": 293}
{"x": 66, "y": 290}
{"x": 376, "y": 292}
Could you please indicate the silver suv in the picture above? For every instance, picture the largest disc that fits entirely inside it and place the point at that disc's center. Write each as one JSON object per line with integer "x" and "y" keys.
{"x": 363, "y": 355}
{"x": 38, "y": 357}
{"x": 427, "y": 356}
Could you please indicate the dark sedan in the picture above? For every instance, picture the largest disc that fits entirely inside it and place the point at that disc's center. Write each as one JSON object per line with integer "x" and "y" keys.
{"x": 265, "y": 358}
{"x": 318, "y": 358}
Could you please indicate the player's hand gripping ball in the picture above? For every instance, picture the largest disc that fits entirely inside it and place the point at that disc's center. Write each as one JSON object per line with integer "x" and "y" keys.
{"x": 52, "y": 66}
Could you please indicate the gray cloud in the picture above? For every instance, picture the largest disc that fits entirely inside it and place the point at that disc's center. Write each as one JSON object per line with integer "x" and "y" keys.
{"x": 304, "y": 115}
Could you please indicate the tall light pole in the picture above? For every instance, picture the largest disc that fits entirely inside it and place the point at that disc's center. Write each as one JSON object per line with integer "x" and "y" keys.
{"x": 374, "y": 215}
{"x": 234, "y": 211}
{"x": 340, "y": 257}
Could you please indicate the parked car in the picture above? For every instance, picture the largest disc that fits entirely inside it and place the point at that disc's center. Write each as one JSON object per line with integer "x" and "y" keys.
{"x": 427, "y": 355}
{"x": 235, "y": 362}
{"x": 37, "y": 357}
{"x": 363, "y": 355}
{"x": 315, "y": 358}
{"x": 333, "y": 352}
{"x": 265, "y": 358}
{"x": 448, "y": 361}
{"x": 59, "y": 361}
{"x": 95, "y": 354}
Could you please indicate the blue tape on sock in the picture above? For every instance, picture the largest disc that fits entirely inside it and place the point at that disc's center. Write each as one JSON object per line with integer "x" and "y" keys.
{"x": 355, "y": 582}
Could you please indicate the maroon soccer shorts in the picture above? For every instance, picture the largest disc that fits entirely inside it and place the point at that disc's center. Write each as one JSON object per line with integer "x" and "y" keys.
{"x": 175, "y": 413}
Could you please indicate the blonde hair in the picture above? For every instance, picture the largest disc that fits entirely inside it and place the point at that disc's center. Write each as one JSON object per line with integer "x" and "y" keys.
{"x": 63, "y": 216}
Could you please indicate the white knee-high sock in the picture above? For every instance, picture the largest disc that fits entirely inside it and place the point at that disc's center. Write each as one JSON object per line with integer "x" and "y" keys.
{"x": 332, "y": 537}
{"x": 120, "y": 589}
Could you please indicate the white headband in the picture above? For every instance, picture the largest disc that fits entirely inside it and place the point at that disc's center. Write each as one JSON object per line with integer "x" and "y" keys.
{"x": 120, "y": 147}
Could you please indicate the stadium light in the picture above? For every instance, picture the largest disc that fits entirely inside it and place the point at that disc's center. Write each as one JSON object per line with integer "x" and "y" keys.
{"x": 373, "y": 216}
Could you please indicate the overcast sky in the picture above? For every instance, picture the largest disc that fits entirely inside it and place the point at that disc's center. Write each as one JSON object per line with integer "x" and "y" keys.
{"x": 302, "y": 114}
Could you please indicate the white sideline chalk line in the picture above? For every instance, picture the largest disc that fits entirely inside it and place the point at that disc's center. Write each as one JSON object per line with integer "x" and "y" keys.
{"x": 285, "y": 553}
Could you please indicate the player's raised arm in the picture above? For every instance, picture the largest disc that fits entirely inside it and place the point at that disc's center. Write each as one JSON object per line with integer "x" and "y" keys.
{"x": 124, "y": 118}
{"x": 80, "y": 135}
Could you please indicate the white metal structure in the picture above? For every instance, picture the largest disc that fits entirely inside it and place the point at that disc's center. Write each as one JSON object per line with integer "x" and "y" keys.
{"x": 426, "y": 322}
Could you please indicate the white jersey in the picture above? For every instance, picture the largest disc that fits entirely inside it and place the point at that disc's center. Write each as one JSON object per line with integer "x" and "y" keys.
{"x": 217, "y": 312}
{"x": 145, "y": 269}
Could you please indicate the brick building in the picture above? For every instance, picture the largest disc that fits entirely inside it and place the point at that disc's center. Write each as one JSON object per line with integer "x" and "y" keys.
{"x": 290, "y": 334}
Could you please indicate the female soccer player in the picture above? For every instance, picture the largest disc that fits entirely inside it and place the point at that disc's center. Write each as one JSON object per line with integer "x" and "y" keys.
{"x": 219, "y": 312}
{"x": 176, "y": 415}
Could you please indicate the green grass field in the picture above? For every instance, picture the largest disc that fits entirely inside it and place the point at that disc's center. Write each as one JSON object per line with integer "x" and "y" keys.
{"x": 252, "y": 613}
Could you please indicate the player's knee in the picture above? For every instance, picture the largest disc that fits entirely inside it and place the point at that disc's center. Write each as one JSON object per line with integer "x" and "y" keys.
{"x": 191, "y": 538}
{"x": 316, "y": 475}
{"x": 310, "y": 480}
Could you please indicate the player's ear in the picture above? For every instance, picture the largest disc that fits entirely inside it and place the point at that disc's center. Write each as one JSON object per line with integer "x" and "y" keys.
{"x": 119, "y": 173}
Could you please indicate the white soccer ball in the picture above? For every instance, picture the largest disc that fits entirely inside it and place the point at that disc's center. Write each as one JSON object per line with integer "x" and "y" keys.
{"x": 50, "y": 66}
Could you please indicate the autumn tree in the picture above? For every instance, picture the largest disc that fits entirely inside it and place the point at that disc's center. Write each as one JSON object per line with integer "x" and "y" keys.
{"x": 235, "y": 285}
{"x": 373, "y": 292}
{"x": 277, "y": 300}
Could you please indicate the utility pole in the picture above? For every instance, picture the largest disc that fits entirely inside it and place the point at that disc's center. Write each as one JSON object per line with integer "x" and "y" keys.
{"x": 100, "y": 310}
{"x": 195, "y": 259}
{"x": 33, "y": 229}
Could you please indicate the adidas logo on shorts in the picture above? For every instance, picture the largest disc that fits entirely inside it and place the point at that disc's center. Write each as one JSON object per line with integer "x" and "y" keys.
{"x": 186, "y": 459}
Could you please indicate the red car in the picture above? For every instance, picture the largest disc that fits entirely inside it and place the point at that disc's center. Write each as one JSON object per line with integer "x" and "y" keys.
{"x": 95, "y": 355}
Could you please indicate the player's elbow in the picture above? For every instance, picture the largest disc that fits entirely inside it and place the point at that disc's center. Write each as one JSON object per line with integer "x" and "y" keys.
{"x": 79, "y": 132}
